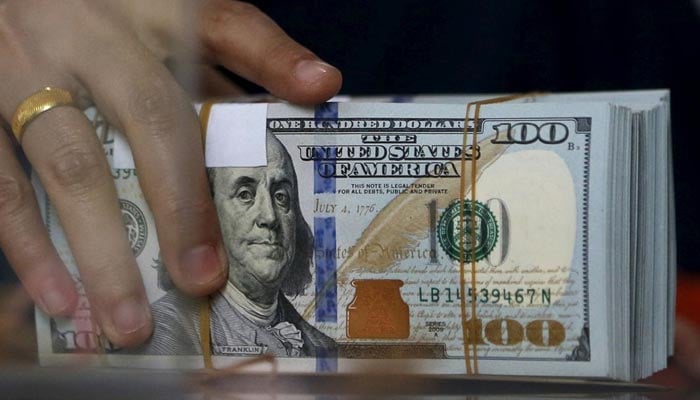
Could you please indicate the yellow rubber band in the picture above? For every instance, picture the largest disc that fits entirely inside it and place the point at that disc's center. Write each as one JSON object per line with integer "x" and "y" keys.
{"x": 471, "y": 329}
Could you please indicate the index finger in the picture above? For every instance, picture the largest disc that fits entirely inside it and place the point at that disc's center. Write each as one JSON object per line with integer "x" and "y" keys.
{"x": 135, "y": 89}
{"x": 246, "y": 41}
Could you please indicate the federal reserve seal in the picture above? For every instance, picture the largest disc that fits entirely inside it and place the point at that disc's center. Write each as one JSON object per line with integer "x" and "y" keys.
{"x": 485, "y": 231}
{"x": 135, "y": 224}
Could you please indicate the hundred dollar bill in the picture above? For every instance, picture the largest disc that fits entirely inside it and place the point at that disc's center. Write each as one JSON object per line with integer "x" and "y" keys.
{"x": 345, "y": 242}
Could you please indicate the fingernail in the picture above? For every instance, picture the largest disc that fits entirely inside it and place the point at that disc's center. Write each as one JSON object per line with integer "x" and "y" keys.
{"x": 54, "y": 302}
{"x": 202, "y": 265}
{"x": 310, "y": 71}
{"x": 130, "y": 316}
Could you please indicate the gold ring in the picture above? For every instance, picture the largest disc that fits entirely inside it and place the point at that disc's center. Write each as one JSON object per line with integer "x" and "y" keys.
{"x": 36, "y": 104}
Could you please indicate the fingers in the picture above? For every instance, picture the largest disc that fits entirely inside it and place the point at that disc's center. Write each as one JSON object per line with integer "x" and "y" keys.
{"x": 164, "y": 134}
{"x": 17, "y": 335}
{"x": 65, "y": 153}
{"x": 214, "y": 84}
{"x": 25, "y": 241}
{"x": 204, "y": 82}
{"x": 131, "y": 86}
{"x": 687, "y": 343}
{"x": 246, "y": 41}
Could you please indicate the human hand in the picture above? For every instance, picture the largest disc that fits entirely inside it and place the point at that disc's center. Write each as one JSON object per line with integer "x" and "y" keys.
{"x": 687, "y": 349}
{"x": 111, "y": 53}
{"x": 683, "y": 372}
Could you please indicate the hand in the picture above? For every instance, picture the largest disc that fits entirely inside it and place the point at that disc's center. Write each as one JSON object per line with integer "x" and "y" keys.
{"x": 111, "y": 53}
{"x": 687, "y": 349}
{"x": 683, "y": 372}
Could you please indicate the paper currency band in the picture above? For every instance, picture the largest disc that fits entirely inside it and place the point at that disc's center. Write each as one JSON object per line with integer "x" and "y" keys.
{"x": 37, "y": 104}
{"x": 469, "y": 330}
{"x": 205, "y": 331}
{"x": 204, "y": 114}
{"x": 205, "y": 304}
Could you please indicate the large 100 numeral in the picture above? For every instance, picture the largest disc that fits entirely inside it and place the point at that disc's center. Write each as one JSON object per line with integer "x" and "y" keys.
{"x": 509, "y": 332}
{"x": 528, "y": 132}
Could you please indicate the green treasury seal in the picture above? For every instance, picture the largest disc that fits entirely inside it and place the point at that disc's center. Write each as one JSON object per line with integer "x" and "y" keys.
{"x": 486, "y": 231}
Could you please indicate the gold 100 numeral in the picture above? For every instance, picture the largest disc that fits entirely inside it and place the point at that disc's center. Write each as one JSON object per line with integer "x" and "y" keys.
{"x": 509, "y": 332}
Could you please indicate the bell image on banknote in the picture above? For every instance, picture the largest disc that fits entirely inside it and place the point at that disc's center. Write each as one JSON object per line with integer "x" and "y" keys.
{"x": 533, "y": 238}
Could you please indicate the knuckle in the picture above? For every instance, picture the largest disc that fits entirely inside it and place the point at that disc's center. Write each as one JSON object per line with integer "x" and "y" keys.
{"x": 35, "y": 32}
{"x": 243, "y": 9}
{"x": 187, "y": 208}
{"x": 40, "y": 16}
{"x": 221, "y": 15}
{"x": 14, "y": 196}
{"x": 76, "y": 169}
{"x": 228, "y": 12}
{"x": 11, "y": 36}
{"x": 154, "y": 108}
{"x": 280, "y": 51}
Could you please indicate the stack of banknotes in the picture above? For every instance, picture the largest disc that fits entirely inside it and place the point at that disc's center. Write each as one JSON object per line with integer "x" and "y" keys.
{"x": 401, "y": 234}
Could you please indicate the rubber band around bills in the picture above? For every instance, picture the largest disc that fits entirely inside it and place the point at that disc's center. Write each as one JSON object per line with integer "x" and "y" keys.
{"x": 471, "y": 357}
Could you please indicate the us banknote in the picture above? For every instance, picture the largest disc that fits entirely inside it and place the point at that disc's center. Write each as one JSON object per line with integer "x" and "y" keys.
{"x": 366, "y": 211}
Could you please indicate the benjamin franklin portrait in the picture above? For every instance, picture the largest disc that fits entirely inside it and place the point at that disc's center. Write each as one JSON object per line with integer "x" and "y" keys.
{"x": 270, "y": 248}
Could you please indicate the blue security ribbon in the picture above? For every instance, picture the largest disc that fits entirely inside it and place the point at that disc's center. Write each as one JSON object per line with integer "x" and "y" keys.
{"x": 325, "y": 247}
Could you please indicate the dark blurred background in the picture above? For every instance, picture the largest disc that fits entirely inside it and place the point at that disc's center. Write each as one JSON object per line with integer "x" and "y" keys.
{"x": 440, "y": 46}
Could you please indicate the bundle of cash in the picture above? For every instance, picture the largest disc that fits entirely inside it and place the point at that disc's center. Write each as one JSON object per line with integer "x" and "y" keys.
{"x": 536, "y": 239}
